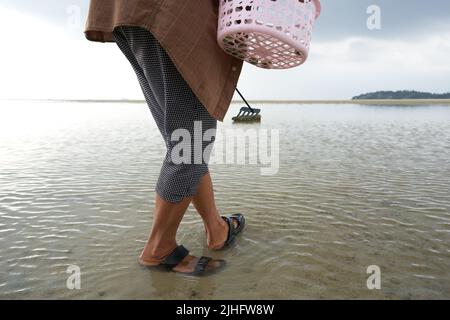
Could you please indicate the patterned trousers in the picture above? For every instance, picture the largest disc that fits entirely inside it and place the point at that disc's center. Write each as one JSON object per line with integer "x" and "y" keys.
{"x": 175, "y": 108}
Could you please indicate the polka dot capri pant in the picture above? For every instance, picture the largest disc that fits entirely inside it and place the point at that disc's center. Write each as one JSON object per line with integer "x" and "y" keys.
{"x": 175, "y": 109}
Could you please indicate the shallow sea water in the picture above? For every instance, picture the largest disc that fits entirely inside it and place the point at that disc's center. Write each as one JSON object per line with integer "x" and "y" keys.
{"x": 356, "y": 186}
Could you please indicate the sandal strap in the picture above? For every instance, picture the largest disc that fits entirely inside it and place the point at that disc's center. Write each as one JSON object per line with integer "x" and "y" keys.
{"x": 240, "y": 222}
{"x": 175, "y": 257}
{"x": 230, "y": 236}
{"x": 202, "y": 264}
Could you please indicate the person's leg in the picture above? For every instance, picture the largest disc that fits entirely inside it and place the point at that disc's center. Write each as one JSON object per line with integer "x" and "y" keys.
{"x": 162, "y": 240}
{"x": 143, "y": 52}
{"x": 204, "y": 202}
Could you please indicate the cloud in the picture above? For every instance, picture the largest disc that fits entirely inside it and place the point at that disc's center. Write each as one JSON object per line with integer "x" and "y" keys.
{"x": 344, "y": 68}
{"x": 40, "y": 59}
{"x": 340, "y": 19}
{"x": 425, "y": 54}
{"x": 399, "y": 19}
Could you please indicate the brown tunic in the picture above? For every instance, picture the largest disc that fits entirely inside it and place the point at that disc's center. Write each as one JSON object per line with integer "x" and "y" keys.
{"x": 187, "y": 29}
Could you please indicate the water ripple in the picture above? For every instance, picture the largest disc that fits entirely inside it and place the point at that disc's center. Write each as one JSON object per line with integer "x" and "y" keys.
{"x": 356, "y": 186}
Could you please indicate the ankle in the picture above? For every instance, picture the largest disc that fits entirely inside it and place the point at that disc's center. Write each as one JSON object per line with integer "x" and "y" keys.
{"x": 217, "y": 236}
{"x": 157, "y": 252}
{"x": 215, "y": 224}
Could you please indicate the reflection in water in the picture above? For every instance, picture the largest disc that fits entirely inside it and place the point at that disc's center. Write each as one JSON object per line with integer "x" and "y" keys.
{"x": 357, "y": 186}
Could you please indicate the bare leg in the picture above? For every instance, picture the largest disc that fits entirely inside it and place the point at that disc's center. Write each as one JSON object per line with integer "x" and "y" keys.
{"x": 216, "y": 228}
{"x": 162, "y": 240}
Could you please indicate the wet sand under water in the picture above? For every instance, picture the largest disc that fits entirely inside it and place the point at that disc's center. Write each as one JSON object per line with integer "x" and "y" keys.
{"x": 357, "y": 186}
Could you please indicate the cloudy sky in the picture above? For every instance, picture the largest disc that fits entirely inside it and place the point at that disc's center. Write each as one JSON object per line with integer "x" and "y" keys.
{"x": 44, "y": 54}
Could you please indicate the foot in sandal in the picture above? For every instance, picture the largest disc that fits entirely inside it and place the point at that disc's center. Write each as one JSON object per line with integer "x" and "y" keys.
{"x": 234, "y": 226}
{"x": 180, "y": 261}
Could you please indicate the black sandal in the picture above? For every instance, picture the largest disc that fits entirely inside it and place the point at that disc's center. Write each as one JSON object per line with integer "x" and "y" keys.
{"x": 232, "y": 230}
{"x": 179, "y": 253}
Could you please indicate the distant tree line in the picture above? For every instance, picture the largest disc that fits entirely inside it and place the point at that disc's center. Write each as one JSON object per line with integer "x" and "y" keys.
{"x": 380, "y": 95}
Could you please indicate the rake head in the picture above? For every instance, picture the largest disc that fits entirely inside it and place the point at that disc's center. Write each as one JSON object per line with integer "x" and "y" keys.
{"x": 248, "y": 115}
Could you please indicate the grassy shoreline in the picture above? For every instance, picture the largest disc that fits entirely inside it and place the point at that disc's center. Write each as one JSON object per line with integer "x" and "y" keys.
{"x": 395, "y": 102}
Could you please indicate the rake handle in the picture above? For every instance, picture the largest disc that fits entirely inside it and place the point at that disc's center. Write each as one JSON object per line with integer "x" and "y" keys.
{"x": 248, "y": 105}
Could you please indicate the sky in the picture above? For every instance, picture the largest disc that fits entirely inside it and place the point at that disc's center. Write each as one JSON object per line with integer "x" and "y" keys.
{"x": 44, "y": 54}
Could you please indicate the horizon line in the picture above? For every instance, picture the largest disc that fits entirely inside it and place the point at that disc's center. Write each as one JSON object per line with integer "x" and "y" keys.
{"x": 287, "y": 101}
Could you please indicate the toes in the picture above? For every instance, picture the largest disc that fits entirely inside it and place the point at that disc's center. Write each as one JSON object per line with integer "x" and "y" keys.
{"x": 215, "y": 265}
{"x": 188, "y": 265}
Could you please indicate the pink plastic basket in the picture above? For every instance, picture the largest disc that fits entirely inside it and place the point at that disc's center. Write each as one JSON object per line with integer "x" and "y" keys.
{"x": 271, "y": 34}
